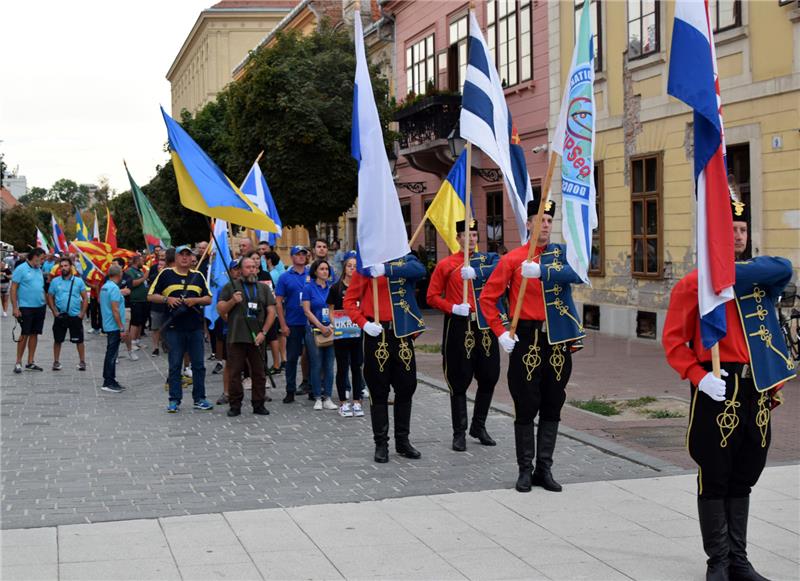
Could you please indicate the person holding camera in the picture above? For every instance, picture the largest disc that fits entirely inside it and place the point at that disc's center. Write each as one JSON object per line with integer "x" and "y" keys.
{"x": 184, "y": 292}
{"x": 68, "y": 300}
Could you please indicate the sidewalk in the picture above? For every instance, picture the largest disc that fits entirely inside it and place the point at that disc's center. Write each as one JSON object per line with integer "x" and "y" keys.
{"x": 625, "y": 529}
{"x": 615, "y": 368}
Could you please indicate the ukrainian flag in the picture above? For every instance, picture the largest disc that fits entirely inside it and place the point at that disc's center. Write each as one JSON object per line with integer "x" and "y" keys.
{"x": 448, "y": 207}
{"x": 204, "y": 188}
{"x": 81, "y": 231}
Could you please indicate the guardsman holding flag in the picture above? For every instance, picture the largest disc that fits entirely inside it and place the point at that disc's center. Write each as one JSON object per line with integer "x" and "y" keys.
{"x": 721, "y": 331}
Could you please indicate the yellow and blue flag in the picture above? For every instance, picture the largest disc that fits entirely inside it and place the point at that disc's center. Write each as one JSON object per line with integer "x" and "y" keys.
{"x": 204, "y": 188}
{"x": 81, "y": 231}
{"x": 449, "y": 205}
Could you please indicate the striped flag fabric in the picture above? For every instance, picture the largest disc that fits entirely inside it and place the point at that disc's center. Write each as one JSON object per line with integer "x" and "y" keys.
{"x": 111, "y": 230}
{"x": 486, "y": 122}
{"x": 41, "y": 241}
{"x": 694, "y": 80}
{"x": 573, "y": 140}
{"x": 217, "y": 274}
{"x": 96, "y": 230}
{"x": 381, "y": 230}
{"x": 154, "y": 230}
{"x": 255, "y": 187}
{"x": 81, "y": 231}
{"x": 59, "y": 240}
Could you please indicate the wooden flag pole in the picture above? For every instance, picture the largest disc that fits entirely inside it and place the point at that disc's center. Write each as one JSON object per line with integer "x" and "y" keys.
{"x": 715, "y": 365}
{"x": 417, "y": 231}
{"x": 467, "y": 217}
{"x": 537, "y": 227}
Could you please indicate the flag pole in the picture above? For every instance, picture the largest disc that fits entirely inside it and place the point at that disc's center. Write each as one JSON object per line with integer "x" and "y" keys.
{"x": 135, "y": 205}
{"x": 467, "y": 218}
{"x": 537, "y": 227}
{"x": 417, "y": 231}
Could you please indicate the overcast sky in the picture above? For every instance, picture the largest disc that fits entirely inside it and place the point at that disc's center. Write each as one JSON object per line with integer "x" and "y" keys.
{"x": 82, "y": 82}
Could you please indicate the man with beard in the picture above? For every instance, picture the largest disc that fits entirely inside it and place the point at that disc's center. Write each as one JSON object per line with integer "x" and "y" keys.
{"x": 68, "y": 301}
{"x": 250, "y": 311}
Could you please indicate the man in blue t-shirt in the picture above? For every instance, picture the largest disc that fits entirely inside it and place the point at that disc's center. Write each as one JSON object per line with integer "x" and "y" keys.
{"x": 291, "y": 316}
{"x": 68, "y": 300}
{"x": 112, "y": 309}
{"x": 27, "y": 304}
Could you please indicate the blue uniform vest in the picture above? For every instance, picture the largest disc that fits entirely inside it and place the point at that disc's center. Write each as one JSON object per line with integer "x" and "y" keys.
{"x": 402, "y": 275}
{"x": 562, "y": 319}
{"x": 759, "y": 282}
{"x": 484, "y": 265}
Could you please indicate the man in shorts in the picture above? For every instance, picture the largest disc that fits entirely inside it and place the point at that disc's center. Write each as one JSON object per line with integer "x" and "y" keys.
{"x": 28, "y": 306}
{"x": 68, "y": 300}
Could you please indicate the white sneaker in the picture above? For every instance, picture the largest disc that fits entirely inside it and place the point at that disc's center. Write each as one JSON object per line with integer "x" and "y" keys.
{"x": 346, "y": 411}
{"x": 133, "y": 356}
{"x": 5, "y": 314}
{"x": 136, "y": 342}
{"x": 247, "y": 383}
{"x": 318, "y": 405}
{"x": 187, "y": 371}
{"x": 328, "y": 404}
{"x": 365, "y": 392}
{"x": 358, "y": 410}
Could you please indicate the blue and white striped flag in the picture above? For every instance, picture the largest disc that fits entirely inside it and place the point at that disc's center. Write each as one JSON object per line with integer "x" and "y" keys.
{"x": 486, "y": 122}
{"x": 255, "y": 187}
{"x": 217, "y": 275}
{"x": 573, "y": 140}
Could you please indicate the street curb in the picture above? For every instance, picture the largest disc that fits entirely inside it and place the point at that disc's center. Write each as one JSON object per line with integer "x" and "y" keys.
{"x": 611, "y": 448}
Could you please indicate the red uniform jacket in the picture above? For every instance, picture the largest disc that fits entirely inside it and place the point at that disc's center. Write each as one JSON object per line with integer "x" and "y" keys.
{"x": 358, "y": 300}
{"x": 446, "y": 278}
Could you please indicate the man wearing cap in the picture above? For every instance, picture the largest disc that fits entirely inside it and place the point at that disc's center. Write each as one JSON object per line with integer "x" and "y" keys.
{"x": 388, "y": 347}
{"x": 291, "y": 316}
{"x": 469, "y": 348}
{"x": 541, "y": 362}
{"x": 185, "y": 293}
{"x": 249, "y": 309}
{"x": 729, "y": 425}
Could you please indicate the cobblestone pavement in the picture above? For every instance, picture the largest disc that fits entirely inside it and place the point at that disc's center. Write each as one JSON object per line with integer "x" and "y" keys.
{"x": 72, "y": 453}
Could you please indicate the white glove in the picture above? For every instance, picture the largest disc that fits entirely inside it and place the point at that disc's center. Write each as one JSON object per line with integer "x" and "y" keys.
{"x": 506, "y": 342}
{"x": 377, "y": 270}
{"x": 531, "y": 269}
{"x": 461, "y": 310}
{"x": 468, "y": 273}
{"x": 373, "y": 329}
{"x": 713, "y": 387}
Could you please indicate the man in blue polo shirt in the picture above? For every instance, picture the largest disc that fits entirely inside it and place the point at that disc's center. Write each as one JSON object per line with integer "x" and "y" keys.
{"x": 291, "y": 316}
{"x": 27, "y": 304}
{"x": 68, "y": 300}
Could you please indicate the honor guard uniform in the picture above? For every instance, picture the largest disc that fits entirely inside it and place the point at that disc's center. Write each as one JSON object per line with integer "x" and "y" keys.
{"x": 729, "y": 425}
{"x": 388, "y": 346}
{"x": 540, "y": 363}
{"x": 469, "y": 348}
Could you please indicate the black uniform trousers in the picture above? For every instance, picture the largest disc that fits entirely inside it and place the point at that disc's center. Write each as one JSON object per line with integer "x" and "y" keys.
{"x": 537, "y": 375}
{"x": 729, "y": 439}
{"x": 466, "y": 357}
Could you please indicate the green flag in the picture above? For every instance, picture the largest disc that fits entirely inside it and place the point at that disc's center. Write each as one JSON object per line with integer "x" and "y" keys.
{"x": 155, "y": 233}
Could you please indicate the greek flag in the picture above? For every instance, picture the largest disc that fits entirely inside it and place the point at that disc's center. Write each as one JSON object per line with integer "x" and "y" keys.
{"x": 486, "y": 122}
{"x": 573, "y": 140}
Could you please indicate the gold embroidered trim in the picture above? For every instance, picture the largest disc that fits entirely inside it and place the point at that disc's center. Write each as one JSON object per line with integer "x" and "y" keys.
{"x": 405, "y": 354}
{"x": 762, "y": 418}
{"x": 531, "y": 360}
{"x": 757, "y": 295}
{"x": 469, "y": 340}
{"x": 728, "y": 420}
{"x": 766, "y": 336}
{"x": 486, "y": 342}
{"x": 557, "y": 361}
{"x": 563, "y": 309}
{"x": 382, "y": 352}
{"x": 761, "y": 313}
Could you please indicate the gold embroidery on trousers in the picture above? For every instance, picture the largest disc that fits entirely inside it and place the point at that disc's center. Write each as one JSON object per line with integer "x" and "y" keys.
{"x": 728, "y": 420}
{"x": 382, "y": 352}
{"x": 405, "y": 354}
{"x": 557, "y": 360}
{"x": 469, "y": 339}
{"x": 487, "y": 342}
{"x": 762, "y": 418}
{"x": 531, "y": 360}
{"x": 766, "y": 336}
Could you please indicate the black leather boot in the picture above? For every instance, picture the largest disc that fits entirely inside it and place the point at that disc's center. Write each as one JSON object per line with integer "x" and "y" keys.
{"x": 483, "y": 399}
{"x": 545, "y": 445}
{"x": 714, "y": 528}
{"x": 740, "y": 569}
{"x": 458, "y": 411}
{"x": 379, "y": 414}
{"x": 524, "y": 441}
{"x": 402, "y": 427}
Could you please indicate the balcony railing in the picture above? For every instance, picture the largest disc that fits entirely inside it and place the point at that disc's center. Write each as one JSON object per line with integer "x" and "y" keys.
{"x": 428, "y": 120}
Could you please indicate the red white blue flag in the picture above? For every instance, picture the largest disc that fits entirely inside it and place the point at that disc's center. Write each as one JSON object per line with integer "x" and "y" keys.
{"x": 694, "y": 80}
{"x": 59, "y": 240}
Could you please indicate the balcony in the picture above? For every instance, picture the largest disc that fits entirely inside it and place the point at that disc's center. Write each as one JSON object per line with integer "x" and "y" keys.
{"x": 424, "y": 127}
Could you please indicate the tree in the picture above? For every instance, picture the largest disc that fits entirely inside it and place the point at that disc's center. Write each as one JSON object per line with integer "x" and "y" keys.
{"x": 34, "y": 195}
{"x": 65, "y": 190}
{"x": 19, "y": 227}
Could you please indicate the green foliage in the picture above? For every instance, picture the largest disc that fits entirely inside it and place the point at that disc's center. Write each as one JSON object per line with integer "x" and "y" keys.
{"x": 433, "y": 348}
{"x": 641, "y": 402}
{"x": 19, "y": 227}
{"x": 34, "y": 195}
{"x": 65, "y": 190}
{"x": 663, "y": 414}
{"x": 596, "y": 406}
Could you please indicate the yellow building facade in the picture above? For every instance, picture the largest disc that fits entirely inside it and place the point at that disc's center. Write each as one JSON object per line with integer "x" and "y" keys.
{"x": 643, "y": 152}
{"x": 221, "y": 37}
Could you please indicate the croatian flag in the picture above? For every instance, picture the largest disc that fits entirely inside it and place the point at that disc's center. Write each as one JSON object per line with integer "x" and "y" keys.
{"x": 486, "y": 122}
{"x": 381, "y": 230}
{"x": 255, "y": 187}
{"x": 694, "y": 80}
{"x": 59, "y": 240}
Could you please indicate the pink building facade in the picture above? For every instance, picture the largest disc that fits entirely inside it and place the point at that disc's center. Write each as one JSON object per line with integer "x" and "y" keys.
{"x": 429, "y": 69}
